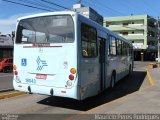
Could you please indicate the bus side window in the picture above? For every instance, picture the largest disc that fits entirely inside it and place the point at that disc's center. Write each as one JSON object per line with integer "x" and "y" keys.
{"x": 119, "y": 47}
{"x": 112, "y": 46}
{"x": 127, "y": 48}
{"x": 123, "y": 48}
{"x": 88, "y": 41}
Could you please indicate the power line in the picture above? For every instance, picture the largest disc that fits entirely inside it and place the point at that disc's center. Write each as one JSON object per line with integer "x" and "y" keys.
{"x": 38, "y": 4}
{"x": 91, "y": 4}
{"x": 52, "y": 3}
{"x": 102, "y": 7}
{"x": 110, "y": 8}
{"x": 26, "y": 5}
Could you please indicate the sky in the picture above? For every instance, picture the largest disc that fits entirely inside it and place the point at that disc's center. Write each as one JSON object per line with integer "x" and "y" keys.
{"x": 9, "y": 12}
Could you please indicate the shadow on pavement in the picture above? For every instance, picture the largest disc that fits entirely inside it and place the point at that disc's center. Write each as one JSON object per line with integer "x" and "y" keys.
{"x": 125, "y": 86}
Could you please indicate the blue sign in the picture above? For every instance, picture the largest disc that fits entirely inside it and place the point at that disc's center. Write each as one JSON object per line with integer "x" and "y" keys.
{"x": 24, "y": 62}
{"x": 41, "y": 63}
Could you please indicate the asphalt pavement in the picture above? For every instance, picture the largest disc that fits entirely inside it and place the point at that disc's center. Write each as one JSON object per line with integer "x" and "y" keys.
{"x": 125, "y": 97}
{"x": 6, "y": 81}
{"x": 126, "y": 86}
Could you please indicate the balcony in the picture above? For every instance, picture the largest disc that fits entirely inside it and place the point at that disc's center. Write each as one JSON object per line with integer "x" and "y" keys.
{"x": 139, "y": 46}
{"x": 134, "y": 37}
{"x": 126, "y": 28}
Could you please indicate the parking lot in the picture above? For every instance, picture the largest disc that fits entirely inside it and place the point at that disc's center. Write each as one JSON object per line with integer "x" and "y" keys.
{"x": 133, "y": 94}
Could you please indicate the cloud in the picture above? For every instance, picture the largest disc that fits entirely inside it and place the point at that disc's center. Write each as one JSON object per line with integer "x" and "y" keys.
{"x": 9, "y": 24}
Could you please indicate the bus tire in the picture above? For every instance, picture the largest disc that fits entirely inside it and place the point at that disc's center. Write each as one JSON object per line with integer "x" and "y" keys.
{"x": 113, "y": 79}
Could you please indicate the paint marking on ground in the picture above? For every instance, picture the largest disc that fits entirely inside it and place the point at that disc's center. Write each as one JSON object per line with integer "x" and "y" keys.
{"x": 151, "y": 80}
{"x": 11, "y": 94}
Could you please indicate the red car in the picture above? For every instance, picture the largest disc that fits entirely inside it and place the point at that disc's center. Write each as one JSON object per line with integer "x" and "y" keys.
{"x": 6, "y": 65}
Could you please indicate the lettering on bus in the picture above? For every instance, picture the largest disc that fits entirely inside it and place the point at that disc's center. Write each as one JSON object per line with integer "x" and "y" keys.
{"x": 30, "y": 80}
{"x": 65, "y": 64}
{"x": 41, "y": 44}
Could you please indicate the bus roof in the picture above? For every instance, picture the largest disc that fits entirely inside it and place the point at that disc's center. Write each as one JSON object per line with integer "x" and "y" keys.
{"x": 47, "y": 14}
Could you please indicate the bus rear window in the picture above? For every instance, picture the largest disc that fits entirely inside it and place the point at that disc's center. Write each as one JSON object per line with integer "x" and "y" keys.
{"x": 47, "y": 29}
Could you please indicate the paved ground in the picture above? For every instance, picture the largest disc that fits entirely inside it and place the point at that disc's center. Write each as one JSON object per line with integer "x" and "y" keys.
{"x": 144, "y": 101}
{"x": 6, "y": 81}
{"x": 155, "y": 73}
{"x": 110, "y": 101}
{"x": 40, "y": 104}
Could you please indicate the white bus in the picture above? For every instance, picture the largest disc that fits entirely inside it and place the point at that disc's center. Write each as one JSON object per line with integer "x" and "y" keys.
{"x": 66, "y": 54}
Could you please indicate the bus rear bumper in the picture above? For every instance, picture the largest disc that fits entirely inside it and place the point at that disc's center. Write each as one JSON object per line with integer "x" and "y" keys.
{"x": 47, "y": 90}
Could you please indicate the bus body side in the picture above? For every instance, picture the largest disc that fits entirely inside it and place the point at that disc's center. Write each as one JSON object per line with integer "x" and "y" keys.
{"x": 95, "y": 74}
{"x": 88, "y": 60}
{"x": 120, "y": 59}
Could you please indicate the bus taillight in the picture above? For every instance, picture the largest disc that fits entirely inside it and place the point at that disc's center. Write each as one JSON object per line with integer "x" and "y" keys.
{"x": 14, "y": 67}
{"x": 71, "y": 77}
{"x": 73, "y": 70}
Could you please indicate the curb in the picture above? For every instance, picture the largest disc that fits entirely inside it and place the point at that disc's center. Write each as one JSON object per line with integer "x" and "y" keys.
{"x": 9, "y": 95}
{"x": 6, "y": 90}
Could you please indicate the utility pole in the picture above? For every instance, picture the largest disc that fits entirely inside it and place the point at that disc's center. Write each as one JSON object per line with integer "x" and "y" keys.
{"x": 158, "y": 36}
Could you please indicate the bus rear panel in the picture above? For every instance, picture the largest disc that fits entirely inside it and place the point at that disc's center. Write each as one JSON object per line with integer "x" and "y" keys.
{"x": 45, "y": 56}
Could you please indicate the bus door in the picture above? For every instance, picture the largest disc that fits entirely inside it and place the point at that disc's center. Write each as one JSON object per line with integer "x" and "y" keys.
{"x": 102, "y": 45}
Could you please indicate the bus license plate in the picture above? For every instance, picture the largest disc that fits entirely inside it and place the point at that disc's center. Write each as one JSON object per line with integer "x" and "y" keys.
{"x": 41, "y": 76}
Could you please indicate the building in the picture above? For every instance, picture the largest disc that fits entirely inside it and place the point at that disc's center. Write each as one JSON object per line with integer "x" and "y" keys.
{"x": 6, "y": 46}
{"x": 141, "y": 30}
{"x": 89, "y": 13}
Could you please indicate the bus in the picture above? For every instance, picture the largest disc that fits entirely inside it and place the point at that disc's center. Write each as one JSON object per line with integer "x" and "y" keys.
{"x": 66, "y": 54}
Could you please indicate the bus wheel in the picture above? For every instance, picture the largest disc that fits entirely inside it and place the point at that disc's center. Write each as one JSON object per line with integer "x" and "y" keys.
{"x": 112, "y": 80}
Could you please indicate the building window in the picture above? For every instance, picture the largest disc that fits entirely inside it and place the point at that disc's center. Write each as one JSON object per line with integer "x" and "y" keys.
{"x": 125, "y": 24}
{"x": 125, "y": 33}
{"x": 107, "y": 25}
